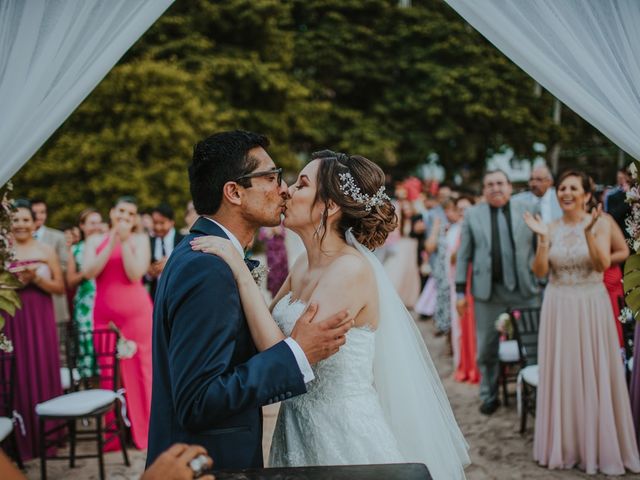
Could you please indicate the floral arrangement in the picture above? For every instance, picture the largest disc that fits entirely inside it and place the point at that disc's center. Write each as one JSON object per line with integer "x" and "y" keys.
{"x": 9, "y": 284}
{"x": 504, "y": 323}
{"x": 632, "y": 265}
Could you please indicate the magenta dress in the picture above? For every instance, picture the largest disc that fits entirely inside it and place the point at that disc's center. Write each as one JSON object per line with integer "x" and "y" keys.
{"x": 128, "y": 305}
{"x": 35, "y": 344}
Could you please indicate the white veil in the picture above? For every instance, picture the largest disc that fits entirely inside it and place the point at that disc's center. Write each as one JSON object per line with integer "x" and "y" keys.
{"x": 412, "y": 396}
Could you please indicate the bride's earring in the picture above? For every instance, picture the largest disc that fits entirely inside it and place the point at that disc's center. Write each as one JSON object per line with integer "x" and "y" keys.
{"x": 320, "y": 226}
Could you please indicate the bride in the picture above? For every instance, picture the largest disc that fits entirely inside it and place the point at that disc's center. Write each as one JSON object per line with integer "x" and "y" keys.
{"x": 379, "y": 399}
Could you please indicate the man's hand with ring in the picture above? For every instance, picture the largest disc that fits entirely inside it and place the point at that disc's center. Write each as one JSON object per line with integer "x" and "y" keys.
{"x": 180, "y": 462}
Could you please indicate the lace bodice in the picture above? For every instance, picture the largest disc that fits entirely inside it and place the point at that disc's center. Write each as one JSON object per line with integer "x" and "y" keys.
{"x": 569, "y": 259}
{"x": 351, "y": 368}
{"x": 339, "y": 420}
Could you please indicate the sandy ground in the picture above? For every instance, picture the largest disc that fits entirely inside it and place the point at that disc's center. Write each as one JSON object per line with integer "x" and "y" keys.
{"x": 497, "y": 449}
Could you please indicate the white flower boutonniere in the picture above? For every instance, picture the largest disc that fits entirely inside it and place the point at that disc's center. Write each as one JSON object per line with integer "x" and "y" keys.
{"x": 259, "y": 274}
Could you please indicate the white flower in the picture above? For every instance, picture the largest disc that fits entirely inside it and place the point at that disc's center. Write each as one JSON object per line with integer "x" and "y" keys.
{"x": 633, "y": 171}
{"x": 5, "y": 344}
{"x": 502, "y": 323}
{"x": 126, "y": 348}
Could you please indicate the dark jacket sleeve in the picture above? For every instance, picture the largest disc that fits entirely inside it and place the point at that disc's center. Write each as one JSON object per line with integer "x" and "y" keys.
{"x": 208, "y": 382}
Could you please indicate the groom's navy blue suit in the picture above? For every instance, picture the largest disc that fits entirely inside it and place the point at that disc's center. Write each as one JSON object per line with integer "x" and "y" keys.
{"x": 209, "y": 381}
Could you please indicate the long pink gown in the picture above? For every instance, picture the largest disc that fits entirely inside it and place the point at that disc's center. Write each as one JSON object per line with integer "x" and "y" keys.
{"x": 583, "y": 413}
{"x": 128, "y": 305}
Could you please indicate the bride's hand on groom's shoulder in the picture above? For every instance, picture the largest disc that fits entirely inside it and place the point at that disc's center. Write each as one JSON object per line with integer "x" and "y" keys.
{"x": 223, "y": 248}
{"x": 320, "y": 340}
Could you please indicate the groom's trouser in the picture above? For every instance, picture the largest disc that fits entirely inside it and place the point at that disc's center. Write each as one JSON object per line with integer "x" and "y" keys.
{"x": 488, "y": 338}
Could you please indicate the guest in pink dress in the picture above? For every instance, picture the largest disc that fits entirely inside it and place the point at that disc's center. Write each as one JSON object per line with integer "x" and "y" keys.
{"x": 583, "y": 414}
{"x": 118, "y": 261}
{"x": 32, "y": 329}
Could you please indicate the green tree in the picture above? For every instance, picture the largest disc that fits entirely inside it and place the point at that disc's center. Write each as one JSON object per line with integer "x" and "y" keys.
{"x": 133, "y": 135}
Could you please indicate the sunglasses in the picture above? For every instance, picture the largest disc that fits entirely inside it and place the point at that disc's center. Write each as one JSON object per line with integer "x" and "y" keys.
{"x": 275, "y": 171}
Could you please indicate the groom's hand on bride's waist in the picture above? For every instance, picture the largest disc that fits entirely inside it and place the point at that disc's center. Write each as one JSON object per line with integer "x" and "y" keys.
{"x": 320, "y": 340}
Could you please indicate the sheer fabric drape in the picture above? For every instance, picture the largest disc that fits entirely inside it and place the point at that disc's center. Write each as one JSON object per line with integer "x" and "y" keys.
{"x": 53, "y": 53}
{"x": 585, "y": 52}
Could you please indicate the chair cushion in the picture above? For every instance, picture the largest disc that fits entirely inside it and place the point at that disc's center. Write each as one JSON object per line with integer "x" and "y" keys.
{"x": 508, "y": 351}
{"x": 76, "y": 403}
{"x": 6, "y": 426}
{"x": 530, "y": 375}
{"x": 65, "y": 377}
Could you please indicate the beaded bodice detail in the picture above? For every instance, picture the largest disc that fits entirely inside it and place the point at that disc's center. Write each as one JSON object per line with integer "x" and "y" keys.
{"x": 569, "y": 260}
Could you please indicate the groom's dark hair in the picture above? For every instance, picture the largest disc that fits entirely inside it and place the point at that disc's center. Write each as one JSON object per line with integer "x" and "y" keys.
{"x": 218, "y": 159}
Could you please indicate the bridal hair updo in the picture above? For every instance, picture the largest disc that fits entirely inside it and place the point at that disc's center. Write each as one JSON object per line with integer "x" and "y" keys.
{"x": 369, "y": 212}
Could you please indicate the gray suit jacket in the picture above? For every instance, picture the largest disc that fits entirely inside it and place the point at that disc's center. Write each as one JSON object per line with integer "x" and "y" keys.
{"x": 55, "y": 238}
{"x": 475, "y": 248}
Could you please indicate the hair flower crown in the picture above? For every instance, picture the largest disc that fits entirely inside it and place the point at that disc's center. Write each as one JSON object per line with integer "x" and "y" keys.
{"x": 348, "y": 187}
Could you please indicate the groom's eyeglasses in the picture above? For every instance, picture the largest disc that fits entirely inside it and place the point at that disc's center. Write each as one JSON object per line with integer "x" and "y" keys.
{"x": 276, "y": 171}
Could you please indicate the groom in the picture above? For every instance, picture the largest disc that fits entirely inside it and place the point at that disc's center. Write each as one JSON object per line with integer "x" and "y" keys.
{"x": 209, "y": 381}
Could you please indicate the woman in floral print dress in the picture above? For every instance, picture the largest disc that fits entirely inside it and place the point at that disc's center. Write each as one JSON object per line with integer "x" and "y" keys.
{"x": 90, "y": 224}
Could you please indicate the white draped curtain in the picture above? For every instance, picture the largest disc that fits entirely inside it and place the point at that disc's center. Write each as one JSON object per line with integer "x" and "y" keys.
{"x": 585, "y": 52}
{"x": 53, "y": 53}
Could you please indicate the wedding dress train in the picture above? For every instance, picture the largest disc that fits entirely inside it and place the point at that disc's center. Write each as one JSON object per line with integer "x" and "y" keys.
{"x": 378, "y": 400}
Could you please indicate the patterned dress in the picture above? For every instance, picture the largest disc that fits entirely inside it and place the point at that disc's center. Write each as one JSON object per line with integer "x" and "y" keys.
{"x": 83, "y": 317}
{"x": 442, "y": 315}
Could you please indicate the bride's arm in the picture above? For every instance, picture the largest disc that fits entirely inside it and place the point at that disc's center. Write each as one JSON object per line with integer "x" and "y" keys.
{"x": 264, "y": 330}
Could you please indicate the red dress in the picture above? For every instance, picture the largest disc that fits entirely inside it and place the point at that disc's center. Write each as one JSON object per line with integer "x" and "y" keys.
{"x": 613, "y": 283}
{"x": 128, "y": 305}
{"x": 467, "y": 369}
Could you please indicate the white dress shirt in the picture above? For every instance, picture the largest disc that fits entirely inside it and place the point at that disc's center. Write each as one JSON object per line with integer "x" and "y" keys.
{"x": 298, "y": 353}
{"x": 167, "y": 241}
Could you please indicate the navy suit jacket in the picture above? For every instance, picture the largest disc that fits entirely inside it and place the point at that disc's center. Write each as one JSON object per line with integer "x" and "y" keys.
{"x": 209, "y": 381}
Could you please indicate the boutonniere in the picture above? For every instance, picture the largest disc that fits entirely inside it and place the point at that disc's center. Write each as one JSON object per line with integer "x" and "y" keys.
{"x": 259, "y": 274}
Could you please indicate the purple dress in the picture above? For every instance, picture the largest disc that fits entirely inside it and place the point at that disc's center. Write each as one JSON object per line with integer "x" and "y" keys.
{"x": 635, "y": 383}
{"x": 35, "y": 345}
{"x": 276, "y": 258}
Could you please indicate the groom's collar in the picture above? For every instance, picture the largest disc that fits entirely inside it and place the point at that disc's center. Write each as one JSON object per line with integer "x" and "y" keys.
{"x": 208, "y": 227}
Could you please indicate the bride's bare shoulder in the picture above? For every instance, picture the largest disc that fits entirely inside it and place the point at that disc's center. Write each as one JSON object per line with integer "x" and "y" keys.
{"x": 350, "y": 267}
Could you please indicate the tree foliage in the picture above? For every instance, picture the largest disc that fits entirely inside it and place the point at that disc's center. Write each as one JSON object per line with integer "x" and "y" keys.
{"x": 367, "y": 76}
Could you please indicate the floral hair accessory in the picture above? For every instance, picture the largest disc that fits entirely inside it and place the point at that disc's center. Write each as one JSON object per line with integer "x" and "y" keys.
{"x": 348, "y": 187}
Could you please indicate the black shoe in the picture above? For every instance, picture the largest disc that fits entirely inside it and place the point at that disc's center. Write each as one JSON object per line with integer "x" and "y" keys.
{"x": 488, "y": 408}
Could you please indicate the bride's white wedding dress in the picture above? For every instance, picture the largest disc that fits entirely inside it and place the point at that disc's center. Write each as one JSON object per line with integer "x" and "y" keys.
{"x": 378, "y": 400}
{"x": 339, "y": 420}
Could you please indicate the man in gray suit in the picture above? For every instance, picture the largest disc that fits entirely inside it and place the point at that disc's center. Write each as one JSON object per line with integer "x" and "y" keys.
{"x": 55, "y": 239}
{"x": 541, "y": 194}
{"x": 500, "y": 248}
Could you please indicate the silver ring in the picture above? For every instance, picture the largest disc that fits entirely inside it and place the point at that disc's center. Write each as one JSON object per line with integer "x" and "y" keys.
{"x": 197, "y": 465}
